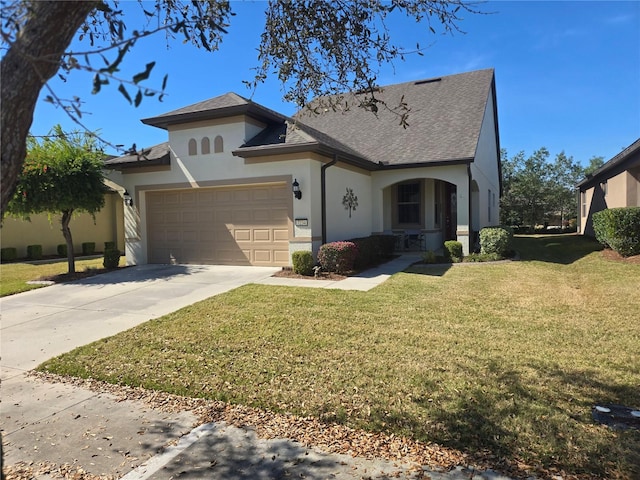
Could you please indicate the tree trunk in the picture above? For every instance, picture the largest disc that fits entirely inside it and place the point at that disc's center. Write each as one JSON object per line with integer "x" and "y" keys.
{"x": 29, "y": 63}
{"x": 66, "y": 233}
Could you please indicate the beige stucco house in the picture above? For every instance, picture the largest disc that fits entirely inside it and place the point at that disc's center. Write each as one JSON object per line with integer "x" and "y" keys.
{"x": 615, "y": 184}
{"x": 219, "y": 191}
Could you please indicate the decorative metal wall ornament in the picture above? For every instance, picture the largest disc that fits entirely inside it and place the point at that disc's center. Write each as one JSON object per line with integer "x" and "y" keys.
{"x": 350, "y": 201}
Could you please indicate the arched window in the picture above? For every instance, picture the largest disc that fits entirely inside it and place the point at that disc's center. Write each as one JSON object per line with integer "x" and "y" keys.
{"x": 218, "y": 146}
{"x": 193, "y": 147}
{"x": 204, "y": 146}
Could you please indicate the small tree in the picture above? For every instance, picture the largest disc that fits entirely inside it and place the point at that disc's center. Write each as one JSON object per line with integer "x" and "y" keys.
{"x": 61, "y": 175}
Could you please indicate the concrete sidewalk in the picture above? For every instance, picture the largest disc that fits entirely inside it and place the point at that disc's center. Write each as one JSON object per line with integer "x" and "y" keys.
{"x": 65, "y": 424}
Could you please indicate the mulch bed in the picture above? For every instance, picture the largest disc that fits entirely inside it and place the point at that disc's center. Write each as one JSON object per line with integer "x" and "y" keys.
{"x": 288, "y": 273}
{"x": 613, "y": 256}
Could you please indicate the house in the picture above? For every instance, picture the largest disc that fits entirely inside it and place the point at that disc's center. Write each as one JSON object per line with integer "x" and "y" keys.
{"x": 615, "y": 184}
{"x": 220, "y": 190}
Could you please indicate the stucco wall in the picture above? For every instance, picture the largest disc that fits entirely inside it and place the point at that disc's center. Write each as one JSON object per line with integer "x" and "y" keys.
{"x": 108, "y": 226}
{"x": 485, "y": 173}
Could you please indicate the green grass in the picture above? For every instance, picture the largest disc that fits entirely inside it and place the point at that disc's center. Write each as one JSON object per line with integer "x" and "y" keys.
{"x": 502, "y": 361}
{"x": 14, "y": 276}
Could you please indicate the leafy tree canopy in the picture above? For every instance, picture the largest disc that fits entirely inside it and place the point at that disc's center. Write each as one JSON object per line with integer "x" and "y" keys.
{"x": 62, "y": 174}
{"x": 315, "y": 47}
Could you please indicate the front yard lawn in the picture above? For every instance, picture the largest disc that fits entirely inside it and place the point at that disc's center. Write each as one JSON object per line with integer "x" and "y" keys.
{"x": 14, "y": 276}
{"x": 500, "y": 361}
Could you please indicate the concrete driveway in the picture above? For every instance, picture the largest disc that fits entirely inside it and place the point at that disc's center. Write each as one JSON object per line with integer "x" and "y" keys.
{"x": 40, "y": 324}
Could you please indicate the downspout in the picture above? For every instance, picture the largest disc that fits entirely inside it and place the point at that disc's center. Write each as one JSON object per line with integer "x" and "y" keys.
{"x": 323, "y": 193}
{"x": 472, "y": 238}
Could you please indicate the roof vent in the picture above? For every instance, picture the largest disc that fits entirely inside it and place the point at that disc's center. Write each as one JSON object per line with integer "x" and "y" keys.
{"x": 430, "y": 80}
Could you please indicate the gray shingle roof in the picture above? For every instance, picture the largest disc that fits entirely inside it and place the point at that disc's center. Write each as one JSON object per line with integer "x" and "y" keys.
{"x": 156, "y": 155}
{"x": 611, "y": 164}
{"x": 444, "y": 120}
{"x": 225, "y": 105}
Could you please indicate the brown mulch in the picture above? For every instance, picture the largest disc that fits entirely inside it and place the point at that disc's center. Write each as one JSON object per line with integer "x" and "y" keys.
{"x": 308, "y": 431}
{"x": 288, "y": 273}
{"x": 614, "y": 256}
{"x": 70, "y": 277}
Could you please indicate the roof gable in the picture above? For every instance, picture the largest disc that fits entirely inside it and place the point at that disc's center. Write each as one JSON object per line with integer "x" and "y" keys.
{"x": 627, "y": 158}
{"x": 444, "y": 121}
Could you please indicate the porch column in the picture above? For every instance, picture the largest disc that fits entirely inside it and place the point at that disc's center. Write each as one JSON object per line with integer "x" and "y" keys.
{"x": 377, "y": 209}
{"x": 463, "y": 229}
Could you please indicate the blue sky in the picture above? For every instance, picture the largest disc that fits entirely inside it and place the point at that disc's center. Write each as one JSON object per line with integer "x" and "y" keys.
{"x": 567, "y": 74}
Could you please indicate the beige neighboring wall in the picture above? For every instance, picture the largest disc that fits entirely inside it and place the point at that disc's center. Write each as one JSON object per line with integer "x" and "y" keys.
{"x": 108, "y": 227}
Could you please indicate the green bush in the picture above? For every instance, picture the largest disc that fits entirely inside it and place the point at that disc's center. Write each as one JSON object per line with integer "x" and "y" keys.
{"x": 302, "y": 262}
{"x": 482, "y": 257}
{"x": 8, "y": 254}
{"x": 496, "y": 240}
{"x": 429, "y": 257}
{"x": 88, "y": 248}
{"x": 62, "y": 249}
{"x": 372, "y": 250}
{"x": 109, "y": 246}
{"x": 34, "y": 252}
{"x": 619, "y": 228}
{"x": 338, "y": 257}
{"x": 111, "y": 258}
{"x": 453, "y": 250}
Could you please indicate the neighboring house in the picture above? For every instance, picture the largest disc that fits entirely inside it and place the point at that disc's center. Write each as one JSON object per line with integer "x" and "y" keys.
{"x": 615, "y": 184}
{"x": 220, "y": 190}
{"x": 107, "y": 226}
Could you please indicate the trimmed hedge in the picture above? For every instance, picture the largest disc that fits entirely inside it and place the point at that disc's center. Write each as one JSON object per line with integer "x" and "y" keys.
{"x": 111, "y": 259}
{"x": 34, "y": 252}
{"x": 372, "y": 249}
{"x": 88, "y": 248}
{"x": 8, "y": 254}
{"x": 453, "y": 250}
{"x": 496, "y": 241}
{"x": 62, "y": 249}
{"x": 337, "y": 257}
{"x": 302, "y": 262}
{"x": 619, "y": 228}
{"x": 109, "y": 246}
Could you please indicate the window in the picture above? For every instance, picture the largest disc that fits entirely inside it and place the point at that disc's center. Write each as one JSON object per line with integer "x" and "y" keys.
{"x": 604, "y": 187}
{"x": 409, "y": 203}
{"x": 193, "y": 147}
{"x": 583, "y": 203}
{"x": 218, "y": 146}
{"x": 204, "y": 146}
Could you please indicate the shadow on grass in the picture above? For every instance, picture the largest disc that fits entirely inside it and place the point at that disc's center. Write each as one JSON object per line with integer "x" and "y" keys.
{"x": 432, "y": 270}
{"x": 505, "y": 419}
{"x": 559, "y": 248}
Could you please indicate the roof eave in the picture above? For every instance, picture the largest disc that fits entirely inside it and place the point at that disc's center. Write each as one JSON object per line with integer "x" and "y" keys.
{"x": 252, "y": 110}
{"x": 154, "y": 162}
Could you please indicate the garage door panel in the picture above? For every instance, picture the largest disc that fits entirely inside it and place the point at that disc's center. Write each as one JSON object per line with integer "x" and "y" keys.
{"x": 227, "y": 225}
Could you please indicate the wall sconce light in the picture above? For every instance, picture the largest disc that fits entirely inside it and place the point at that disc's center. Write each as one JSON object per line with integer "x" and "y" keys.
{"x": 128, "y": 201}
{"x": 295, "y": 186}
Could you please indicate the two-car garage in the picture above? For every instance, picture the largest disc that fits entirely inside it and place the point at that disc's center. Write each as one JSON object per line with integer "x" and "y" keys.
{"x": 229, "y": 225}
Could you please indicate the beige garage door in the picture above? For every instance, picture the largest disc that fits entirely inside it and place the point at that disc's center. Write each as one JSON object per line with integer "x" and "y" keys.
{"x": 246, "y": 225}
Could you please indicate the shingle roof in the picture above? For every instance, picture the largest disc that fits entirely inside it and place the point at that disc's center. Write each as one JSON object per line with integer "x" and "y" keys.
{"x": 156, "y": 155}
{"x": 612, "y": 164}
{"x": 444, "y": 120}
{"x": 225, "y": 105}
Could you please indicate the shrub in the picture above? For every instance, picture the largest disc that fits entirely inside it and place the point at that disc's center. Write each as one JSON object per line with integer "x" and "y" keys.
{"x": 496, "y": 240}
{"x": 34, "y": 252}
{"x": 619, "y": 228}
{"x": 111, "y": 258}
{"x": 88, "y": 248}
{"x": 302, "y": 262}
{"x": 453, "y": 250}
{"x": 8, "y": 254}
{"x": 372, "y": 249}
{"x": 109, "y": 246}
{"x": 429, "y": 257}
{"x": 338, "y": 256}
{"x": 62, "y": 249}
{"x": 482, "y": 257}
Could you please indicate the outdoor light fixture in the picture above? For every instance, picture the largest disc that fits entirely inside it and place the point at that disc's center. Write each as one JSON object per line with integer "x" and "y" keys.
{"x": 295, "y": 186}
{"x": 128, "y": 201}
